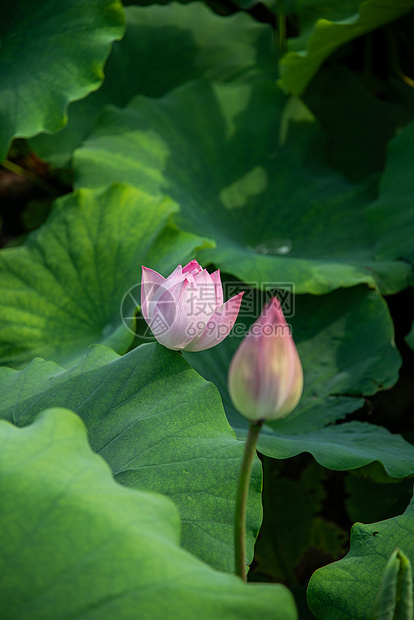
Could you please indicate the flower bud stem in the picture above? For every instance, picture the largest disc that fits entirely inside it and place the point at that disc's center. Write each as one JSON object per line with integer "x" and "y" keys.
{"x": 241, "y": 499}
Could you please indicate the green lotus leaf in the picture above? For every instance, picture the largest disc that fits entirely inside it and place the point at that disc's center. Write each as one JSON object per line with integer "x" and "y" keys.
{"x": 75, "y": 544}
{"x": 50, "y": 55}
{"x": 325, "y": 29}
{"x": 346, "y": 344}
{"x": 273, "y": 207}
{"x": 183, "y": 42}
{"x": 361, "y": 570}
{"x": 159, "y": 425}
{"x": 391, "y": 216}
{"x": 75, "y": 281}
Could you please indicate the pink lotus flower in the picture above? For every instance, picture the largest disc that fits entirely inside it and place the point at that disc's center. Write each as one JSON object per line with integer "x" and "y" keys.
{"x": 186, "y": 311}
{"x": 265, "y": 375}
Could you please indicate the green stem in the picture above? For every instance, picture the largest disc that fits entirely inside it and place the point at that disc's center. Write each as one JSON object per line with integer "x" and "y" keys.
{"x": 16, "y": 169}
{"x": 241, "y": 499}
{"x": 281, "y": 25}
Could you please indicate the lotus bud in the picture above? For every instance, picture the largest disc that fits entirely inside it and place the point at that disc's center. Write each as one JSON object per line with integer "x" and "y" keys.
{"x": 185, "y": 311}
{"x": 265, "y": 376}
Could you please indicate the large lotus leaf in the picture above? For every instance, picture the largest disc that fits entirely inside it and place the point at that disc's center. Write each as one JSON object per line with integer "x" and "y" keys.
{"x": 347, "y": 446}
{"x": 361, "y": 570}
{"x": 50, "y": 54}
{"x": 62, "y": 290}
{"x": 163, "y": 47}
{"x": 272, "y": 208}
{"x": 345, "y": 341}
{"x": 392, "y": 215}
{"x": 159, "y": 425}
{"x": 75, "y": 544}
{"x": 325, "y": 29}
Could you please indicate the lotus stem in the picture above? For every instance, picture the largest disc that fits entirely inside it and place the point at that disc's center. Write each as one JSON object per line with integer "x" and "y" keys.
{"x": 241, "y": 499}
